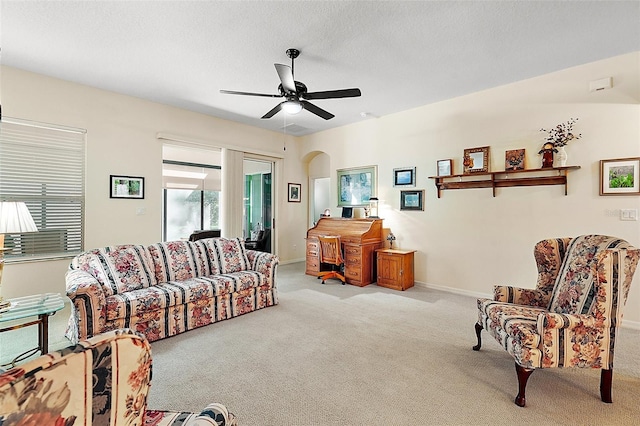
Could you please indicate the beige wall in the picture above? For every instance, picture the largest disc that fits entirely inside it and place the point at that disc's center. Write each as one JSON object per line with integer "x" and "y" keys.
{"x": 121, "y": 139}
{"x": 467, "y": 240}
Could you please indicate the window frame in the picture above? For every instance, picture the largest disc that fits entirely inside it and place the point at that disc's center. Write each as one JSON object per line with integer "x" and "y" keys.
{"x": 44, "y": 165}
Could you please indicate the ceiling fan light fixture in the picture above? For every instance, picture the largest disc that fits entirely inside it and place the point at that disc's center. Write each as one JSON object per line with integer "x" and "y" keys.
{"x": 293, "y": 91}
{"x": 292, "y": 107}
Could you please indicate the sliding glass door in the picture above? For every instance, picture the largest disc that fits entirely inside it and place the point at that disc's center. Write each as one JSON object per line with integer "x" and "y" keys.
{"x": 258, "y": 205}
{"x": 192, "y": 183}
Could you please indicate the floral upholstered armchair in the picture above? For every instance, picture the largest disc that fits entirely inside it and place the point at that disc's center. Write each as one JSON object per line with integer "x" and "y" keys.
{"x": 102, "y": 380}
{"x": 571, "y": 318}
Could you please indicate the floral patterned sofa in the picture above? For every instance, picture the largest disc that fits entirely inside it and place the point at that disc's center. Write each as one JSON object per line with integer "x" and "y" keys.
{"x": 571, "y": 318}
{"x": 103, "y": 381}
{"x": 167, "y": 288}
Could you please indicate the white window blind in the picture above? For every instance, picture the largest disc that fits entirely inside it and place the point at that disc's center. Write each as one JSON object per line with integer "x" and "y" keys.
{"x": 43, "y": 165}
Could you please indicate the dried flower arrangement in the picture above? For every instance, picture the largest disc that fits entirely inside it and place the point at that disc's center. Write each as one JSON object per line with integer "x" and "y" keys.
{"x": 562, "y": 133}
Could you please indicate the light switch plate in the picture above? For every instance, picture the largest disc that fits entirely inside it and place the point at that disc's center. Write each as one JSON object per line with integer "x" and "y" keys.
{"x": 628, "y": 214}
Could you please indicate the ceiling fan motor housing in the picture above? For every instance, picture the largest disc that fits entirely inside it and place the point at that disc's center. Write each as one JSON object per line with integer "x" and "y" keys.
{"x": 293, "y": 53}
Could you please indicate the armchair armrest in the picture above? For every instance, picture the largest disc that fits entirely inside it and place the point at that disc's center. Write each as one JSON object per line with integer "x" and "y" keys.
{"x": 520, "y": 296}
{"x": 551, "y": 321}
{"x": 89, "y": 311}
{"x": 265, "y": 263}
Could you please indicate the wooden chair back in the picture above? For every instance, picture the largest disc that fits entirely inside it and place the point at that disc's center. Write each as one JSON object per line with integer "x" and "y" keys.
{"x": 330, "y": 250}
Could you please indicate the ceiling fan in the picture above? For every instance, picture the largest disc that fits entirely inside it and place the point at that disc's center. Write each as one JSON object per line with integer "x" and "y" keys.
{"x": 296, "y": 94}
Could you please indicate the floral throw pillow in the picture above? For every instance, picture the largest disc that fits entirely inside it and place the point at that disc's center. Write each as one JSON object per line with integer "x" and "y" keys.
{"x": 208, "y": 255}
{"x": 121, "y": 268}
{"x": 231, "y": 255}
{"x": 175, "y": 261}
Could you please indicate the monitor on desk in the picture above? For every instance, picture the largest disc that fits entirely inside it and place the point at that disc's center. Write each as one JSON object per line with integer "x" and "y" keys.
{"x": 347, "y": 212}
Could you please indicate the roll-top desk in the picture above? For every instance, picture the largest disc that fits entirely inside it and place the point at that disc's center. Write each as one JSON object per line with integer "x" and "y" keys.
{"x": 359, "y": 237}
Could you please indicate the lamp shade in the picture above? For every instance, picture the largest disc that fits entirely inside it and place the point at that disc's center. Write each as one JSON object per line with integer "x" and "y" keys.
{"x": 15, "y": 218}
{"x": 373, "y": 207}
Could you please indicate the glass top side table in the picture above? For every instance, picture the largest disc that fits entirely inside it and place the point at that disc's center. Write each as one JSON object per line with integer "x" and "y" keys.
{"x": 41, "y": 306}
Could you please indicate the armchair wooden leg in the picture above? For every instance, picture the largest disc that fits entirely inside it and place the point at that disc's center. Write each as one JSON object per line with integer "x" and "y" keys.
{"x": 478, "y": 330}
{"x": 606, "y": 377}
{"x": 523, "y": 376}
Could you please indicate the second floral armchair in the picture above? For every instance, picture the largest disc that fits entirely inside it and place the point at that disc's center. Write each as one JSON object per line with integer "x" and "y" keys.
{"x": 571, "y": 318}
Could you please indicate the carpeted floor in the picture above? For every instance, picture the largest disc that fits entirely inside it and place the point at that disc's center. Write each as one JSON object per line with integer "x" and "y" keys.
{"x": 343, "y": 355}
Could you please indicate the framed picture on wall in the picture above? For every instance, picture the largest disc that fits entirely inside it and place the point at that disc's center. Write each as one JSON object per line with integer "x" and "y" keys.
{"x": 126, "y": 187}
{"x": 412, "y": 200}
{"x": 405, "y": 176}
{"x": 620, "y": 176}
{"x": 356, "y": 186}
{"x": 294, "y": 192}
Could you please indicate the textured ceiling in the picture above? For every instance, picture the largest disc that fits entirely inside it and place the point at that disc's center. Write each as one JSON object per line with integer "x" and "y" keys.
{"x": 400, "y": 54}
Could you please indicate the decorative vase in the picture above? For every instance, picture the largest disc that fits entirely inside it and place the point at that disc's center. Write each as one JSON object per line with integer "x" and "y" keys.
{"x": 561, "y": 157}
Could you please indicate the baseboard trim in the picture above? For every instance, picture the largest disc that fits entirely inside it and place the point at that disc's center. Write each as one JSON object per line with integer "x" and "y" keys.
{"x": 287, "y": 262}
{"x": 453, "y": 290}
{"x": 633, "y": 325}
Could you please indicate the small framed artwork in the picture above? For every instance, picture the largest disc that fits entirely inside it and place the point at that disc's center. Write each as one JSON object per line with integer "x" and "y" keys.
{"x": 412, "y": 200}
{"x": 445, "y": 167}
{"x": 404, "y": 176}
{"x": 476, "y": 160}
{"x": 514, "y": 159}
{"x": 126, "y": 187}
{"x": 620, "y": 176}
{"x": 294, "y": 192}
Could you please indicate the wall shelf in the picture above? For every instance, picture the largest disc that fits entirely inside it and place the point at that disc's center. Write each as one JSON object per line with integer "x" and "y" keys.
{"x": 504, "y": 179}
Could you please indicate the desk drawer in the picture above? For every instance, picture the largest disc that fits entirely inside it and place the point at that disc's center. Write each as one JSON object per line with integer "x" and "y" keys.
{"x": 354, "y": 274}
{"x": 313, "y": 265}
{"x": 353, "y": 256}
{"x": 313, "y": 248}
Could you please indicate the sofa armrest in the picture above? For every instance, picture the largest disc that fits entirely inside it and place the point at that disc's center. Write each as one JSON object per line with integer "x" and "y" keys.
{"x": 89, "y": 311}
{"x": 213, "y": 414}
{"x": 265, "y": 263}
{"x": 520, "y": 296}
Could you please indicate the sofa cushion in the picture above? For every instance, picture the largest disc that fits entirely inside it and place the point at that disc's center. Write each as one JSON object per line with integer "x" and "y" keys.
{"x": 235, "y": 281}
{"x": 165, "y": 295}
{"x": 118, "y": 268}
{"x": 176, "y": 261}
{"x": 160, "y": 296}
{"x": 206, "y": 249}
{"x": 231, "y": 255}
{"x": 574, "y": 291}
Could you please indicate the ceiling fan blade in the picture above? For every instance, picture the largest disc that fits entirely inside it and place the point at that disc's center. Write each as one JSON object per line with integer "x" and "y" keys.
{"x": 332, "y": 94}
{"x": 286, "y": 78}
{"x": 274, "y": 111}
{"x": 316, "y": 110}
{"x": 233, "y": 92}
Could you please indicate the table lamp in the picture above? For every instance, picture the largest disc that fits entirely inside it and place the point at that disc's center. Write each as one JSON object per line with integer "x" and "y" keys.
{"x": 373, "y": 207}
{"x": 14, "y": 219}
{"x": 391, "y": 238}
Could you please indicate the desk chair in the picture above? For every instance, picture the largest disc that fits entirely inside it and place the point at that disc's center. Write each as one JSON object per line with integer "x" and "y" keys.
{"x": 331, "y": 253}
